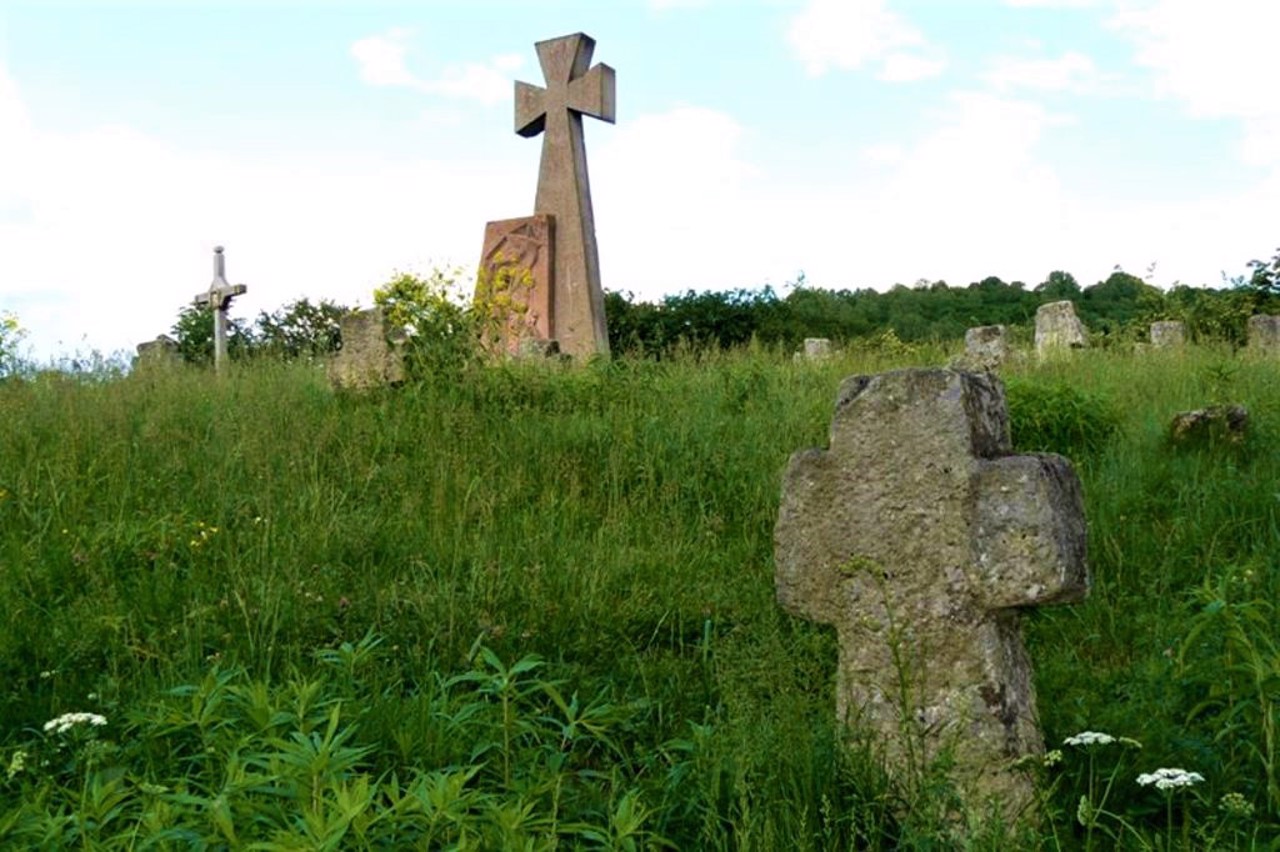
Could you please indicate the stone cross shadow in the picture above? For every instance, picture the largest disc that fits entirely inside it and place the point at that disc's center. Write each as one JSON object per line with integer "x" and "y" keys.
{"x": 919, "y": 536}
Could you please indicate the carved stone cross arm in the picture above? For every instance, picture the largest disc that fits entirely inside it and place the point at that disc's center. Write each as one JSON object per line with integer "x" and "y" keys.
{"x": 571, "y": 85}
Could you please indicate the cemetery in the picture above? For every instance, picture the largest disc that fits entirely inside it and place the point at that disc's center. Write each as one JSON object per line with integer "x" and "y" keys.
{"x": 527, "y": 571}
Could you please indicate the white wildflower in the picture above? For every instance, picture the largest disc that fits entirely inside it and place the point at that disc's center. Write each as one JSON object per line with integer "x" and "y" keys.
{"x": 1168, "y": 779}
{"x": 1088, "y": 738}
{"x": 67, "y": 721}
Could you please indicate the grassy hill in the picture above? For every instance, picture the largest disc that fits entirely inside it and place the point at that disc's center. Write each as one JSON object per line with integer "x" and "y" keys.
{"x": 530, "y": 606}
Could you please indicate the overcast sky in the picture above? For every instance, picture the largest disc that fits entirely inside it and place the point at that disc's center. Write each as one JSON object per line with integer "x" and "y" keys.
{"x": 328, "y": 144}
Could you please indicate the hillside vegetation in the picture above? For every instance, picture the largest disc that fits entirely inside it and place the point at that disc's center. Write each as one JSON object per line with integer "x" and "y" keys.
{"x": 532, "y": 607}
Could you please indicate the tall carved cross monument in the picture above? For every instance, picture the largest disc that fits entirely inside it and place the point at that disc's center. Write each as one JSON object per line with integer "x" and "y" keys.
{"x": 569, "y": 307}
{"x": 920, "y": 536}
{"x": 218, "y": 298}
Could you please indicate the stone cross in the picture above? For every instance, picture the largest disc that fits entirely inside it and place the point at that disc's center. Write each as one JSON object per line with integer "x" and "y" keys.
{"x": 919, "y": 536}
{"x": 573, "y": 90}
{"x": 218, "y": 298}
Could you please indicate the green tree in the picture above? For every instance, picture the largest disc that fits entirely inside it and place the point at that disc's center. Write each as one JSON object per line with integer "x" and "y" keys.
{"x": 194, "y": 332}
{"x": 444, "y": 328}
{"x": 300, "y": 329}
{"x": 1058, "y": 286}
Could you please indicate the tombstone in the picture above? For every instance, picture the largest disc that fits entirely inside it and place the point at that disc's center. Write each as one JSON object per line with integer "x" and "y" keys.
{"x": 159, "y": 354}
{"x": 1209, "y": 426}
{"x": 920, "y": 537}
{"x": 513, "y": 289}
{"x": 1168, "y": 334}
{"x": 985, "y": 348}
{"x": 218, "y": 299}
{"x": 573, "y": 89}
{"x": 1058, "y": 328}
{"x": 1264, "y": 333}
{"x": 372, "y": 353}
{"x": 816, "y": 349}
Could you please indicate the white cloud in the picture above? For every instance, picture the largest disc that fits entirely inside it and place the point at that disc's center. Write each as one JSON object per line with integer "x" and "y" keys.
{"x": 123, "y": 224}
{"x": 382, "y": 62}
{"x": 382, "y": 59}
{"x": 1070, "y": 72}
{"x": 904, "y": 68}
{"x": 847, "y": 34}
{"x": 671, "y": 197}
{"x": 1054, "y": 4}
{"x": 1216, "y": 58}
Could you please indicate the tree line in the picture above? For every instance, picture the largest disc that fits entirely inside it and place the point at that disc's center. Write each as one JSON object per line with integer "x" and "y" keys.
{"x": 1118, "y": 309}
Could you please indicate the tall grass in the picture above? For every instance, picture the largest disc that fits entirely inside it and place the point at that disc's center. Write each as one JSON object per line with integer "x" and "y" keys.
{"x": 530, "y": 606}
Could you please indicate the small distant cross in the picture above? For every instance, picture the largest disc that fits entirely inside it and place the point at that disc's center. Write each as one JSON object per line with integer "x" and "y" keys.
{"x": 574, "y": 89}
{"x": 218, "y": 298}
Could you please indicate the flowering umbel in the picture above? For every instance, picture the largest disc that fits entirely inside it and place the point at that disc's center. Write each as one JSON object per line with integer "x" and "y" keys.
{"x": 67, "y": 721}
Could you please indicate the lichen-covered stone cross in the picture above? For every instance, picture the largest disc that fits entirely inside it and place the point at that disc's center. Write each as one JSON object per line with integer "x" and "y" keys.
{"x": 919, "y": 536}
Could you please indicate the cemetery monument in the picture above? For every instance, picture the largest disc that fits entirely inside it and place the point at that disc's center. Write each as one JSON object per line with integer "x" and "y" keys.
{"x": 562, "y": 298}
{"x": 218, "y": 298}
{"x": 920, "y": 537}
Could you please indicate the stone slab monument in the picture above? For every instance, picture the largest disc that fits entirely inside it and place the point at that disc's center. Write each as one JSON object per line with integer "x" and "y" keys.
{"x": 372, "y": 353}
{"x": 574, "y": 88}
{"x": 514, "y": 288}
{"x": 1264, "y": 334}
{"x": 218, "y": 299}
{"x": 921, "y": 537}
{"x": 985, "y": 348}
{"x": 1058, "y": 328}
{"x": 160, "y": 354}
{"x": 1168, "y": 334}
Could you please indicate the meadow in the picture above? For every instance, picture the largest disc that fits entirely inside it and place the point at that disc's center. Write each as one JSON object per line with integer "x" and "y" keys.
{"x": 531, "y": 607}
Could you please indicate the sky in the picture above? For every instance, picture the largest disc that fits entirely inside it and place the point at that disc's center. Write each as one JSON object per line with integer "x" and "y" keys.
{"x": 331, "y": 144}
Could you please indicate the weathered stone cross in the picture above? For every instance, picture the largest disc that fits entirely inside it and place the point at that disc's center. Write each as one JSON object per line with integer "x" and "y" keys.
{"x": 218, "y": 297}
{"x": 564, "y": 192}
{"x": 919, "y": 536}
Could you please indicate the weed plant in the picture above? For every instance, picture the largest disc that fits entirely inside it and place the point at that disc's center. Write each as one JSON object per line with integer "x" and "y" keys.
{"x": 532, "y": 607}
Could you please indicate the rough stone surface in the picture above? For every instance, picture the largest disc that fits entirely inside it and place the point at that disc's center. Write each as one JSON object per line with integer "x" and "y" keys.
{"x": 1264, "y": 333}
{"x": 574, "y": 88}
{"x": 372, "y": 353}
{"x": 1168, "y": 334}
{"x": 815, "y": 349}
{"x": 986, "y": 347}
{"x": 515, "y": 281}
{"x": 161, "y": 353}
{"x": 533, "y": 349}
{"x": 1058, "y": 328}
{"x": 919, "y": 536}
{"x": 1208, "y": 425}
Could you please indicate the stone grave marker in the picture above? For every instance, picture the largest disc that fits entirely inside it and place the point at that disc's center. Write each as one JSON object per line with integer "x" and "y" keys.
{"x": 515, "y": 285}
{"x": 218, "y": 299}
{"x": 1058, "y": 328}
{"x": 372, "y": 353}
{"x": 815, "y": 350}
{"x": 574, "y": 88}
{"x": 920, "y": 537}
{"x": 159, "y": 354}
{"x": 1264, "y": 333}
{"x": 1168, "y": 334}
{"x": 985, "y": 348}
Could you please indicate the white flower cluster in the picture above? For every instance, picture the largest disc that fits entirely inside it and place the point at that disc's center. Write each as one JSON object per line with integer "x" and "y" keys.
{"x": 1087, "y": 738}
{"x": 67, "y": 721}
{"x": 1168, "y": 779}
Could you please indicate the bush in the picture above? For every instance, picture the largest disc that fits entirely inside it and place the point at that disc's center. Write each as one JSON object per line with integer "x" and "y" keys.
{"x": 1059, "y": 418}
